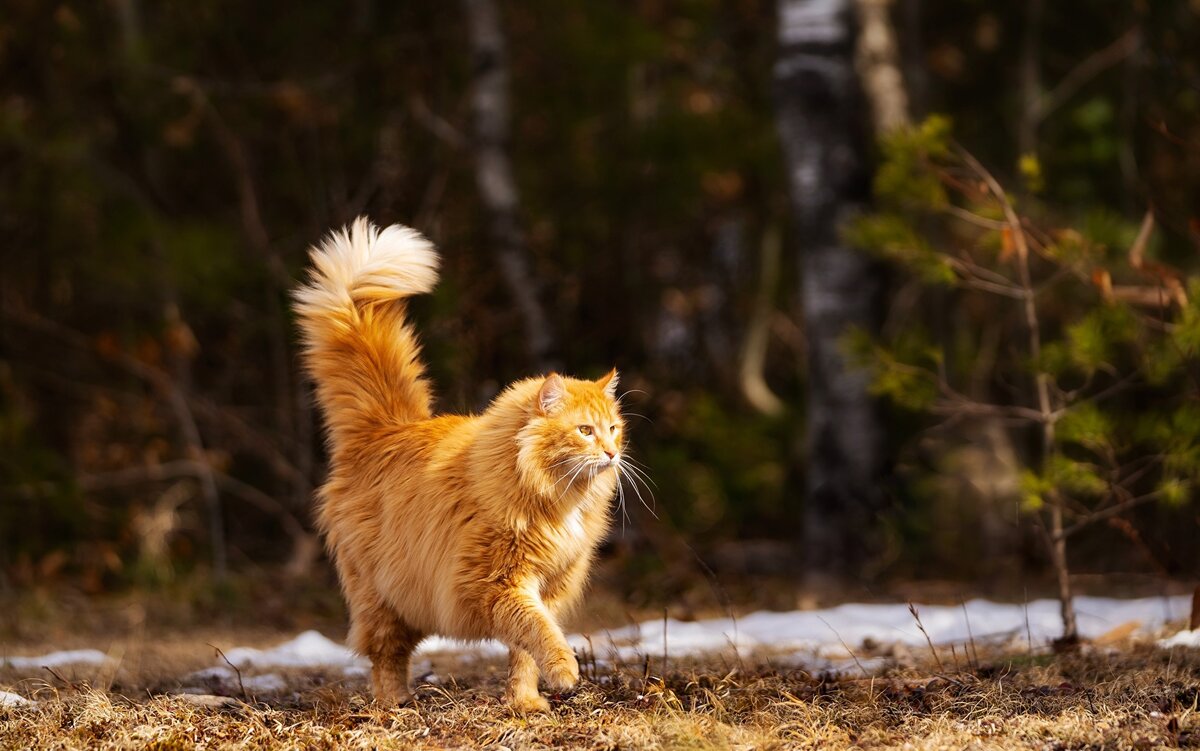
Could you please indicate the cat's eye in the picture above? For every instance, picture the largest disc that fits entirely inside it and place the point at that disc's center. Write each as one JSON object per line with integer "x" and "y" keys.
{"x": 585, "y": 429}
{"x": 613, "y": 428}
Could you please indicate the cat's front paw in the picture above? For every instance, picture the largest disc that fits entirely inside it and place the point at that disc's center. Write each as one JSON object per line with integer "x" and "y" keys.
{"x": 529, "y": 704}
{"x": 562, "y": 672}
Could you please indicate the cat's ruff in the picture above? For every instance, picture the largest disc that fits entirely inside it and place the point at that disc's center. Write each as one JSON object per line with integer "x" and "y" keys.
{"x": 474, "y": 527}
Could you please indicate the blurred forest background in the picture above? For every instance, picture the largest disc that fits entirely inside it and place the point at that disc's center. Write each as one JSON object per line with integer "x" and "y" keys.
{"x": 818, "y": 298}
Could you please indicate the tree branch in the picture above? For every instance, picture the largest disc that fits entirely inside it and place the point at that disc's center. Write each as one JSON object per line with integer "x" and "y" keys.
{"x": 1106, "y": 513}
{"x": 1092, "y": 66}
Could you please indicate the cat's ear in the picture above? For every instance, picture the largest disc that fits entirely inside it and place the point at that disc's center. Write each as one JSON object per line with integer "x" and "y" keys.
{"x": 609, "y": 383}
{"x": 553, "y": 390}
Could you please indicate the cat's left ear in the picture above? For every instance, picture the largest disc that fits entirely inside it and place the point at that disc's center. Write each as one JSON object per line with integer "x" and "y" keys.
{"x": 609, "y": 383}
{"x": 551, "y": 394}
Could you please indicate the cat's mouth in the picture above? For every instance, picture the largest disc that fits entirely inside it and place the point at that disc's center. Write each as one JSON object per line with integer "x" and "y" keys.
{"x": 607, "y": 463}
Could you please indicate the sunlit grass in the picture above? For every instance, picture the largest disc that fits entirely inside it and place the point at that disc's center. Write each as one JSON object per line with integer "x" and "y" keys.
{"x": 1136, "y": 698}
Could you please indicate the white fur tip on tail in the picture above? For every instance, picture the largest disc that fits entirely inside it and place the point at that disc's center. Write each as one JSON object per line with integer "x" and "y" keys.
{"x": 363, "y": 262}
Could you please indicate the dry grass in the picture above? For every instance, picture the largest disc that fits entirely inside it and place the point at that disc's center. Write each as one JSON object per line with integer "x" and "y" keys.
{"x": 1139, "y": 698}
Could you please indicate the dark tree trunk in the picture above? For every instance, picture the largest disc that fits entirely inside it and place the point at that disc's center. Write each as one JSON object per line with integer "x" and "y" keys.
{"x": 823, "y": 126}
{"x": 490, "y": 112}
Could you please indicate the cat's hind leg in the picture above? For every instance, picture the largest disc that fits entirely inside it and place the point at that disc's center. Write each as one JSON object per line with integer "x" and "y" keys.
{"x": 377, "y": 632}
{"x": 522, "y": 692}
{"x": 390, "y": 680}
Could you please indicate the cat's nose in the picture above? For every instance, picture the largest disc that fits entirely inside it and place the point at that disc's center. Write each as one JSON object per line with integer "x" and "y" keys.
{"x": 611, "y": 454}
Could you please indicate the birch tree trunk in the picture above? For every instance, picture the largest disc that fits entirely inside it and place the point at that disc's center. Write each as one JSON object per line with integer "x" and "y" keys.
{"x": 490, "y": 112}
{"x": 822, "y": 124}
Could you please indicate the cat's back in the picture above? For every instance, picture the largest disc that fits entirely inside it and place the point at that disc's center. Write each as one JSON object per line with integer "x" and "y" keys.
{"x": 427, "y": 458}
{"x": 405, "y": 459}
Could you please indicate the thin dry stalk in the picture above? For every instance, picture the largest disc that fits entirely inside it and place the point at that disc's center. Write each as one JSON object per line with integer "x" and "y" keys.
{"x": 917, "y": 617}
{"x": 237, "y": 672}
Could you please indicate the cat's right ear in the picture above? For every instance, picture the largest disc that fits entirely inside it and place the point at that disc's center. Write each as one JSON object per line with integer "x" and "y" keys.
{"x": 554, "y": 388}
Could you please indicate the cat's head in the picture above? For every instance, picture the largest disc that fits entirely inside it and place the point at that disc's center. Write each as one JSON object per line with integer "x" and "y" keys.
{"x": 575, "y": 433}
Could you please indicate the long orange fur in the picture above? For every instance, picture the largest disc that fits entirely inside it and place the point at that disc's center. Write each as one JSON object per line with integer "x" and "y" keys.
{"x": 467, "y": 526}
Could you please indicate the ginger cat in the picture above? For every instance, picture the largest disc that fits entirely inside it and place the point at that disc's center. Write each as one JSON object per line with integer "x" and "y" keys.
{"x": 472, "y": 527}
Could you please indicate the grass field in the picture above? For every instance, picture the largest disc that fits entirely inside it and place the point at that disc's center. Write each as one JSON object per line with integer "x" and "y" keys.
{"x": 1134, "y": 697}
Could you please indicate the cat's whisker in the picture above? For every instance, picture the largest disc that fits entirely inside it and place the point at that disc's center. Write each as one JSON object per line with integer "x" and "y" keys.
{"x": 582, "y": 464}
{"x": 633, "y": 482}
{"x": 627, "y": 413}
{"x": 637, "y": 475}
{"x": 641, "y": 468}
{"x": 642, "y": 500}
{"x": 570, "y": 475}
{"x": 567, "y": 474}
{"x": 641, "y": 474}
{"x": 645, "y": 479}
{"x": 621, "y": 497}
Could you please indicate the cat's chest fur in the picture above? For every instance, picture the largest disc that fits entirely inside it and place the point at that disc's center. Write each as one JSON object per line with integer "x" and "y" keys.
{"x": 572, "y": 526}
{"x": 564, "y": 542}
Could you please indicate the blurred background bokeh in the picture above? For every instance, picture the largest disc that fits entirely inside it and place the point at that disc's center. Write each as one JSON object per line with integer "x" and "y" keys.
{"x": 669, "y": 187}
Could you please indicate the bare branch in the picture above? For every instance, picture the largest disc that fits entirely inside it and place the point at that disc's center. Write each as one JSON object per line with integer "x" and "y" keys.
{"x": 439, "y": 126}
{"x": 1049, "y": 415}
{"x": 965, "y": 406}
{"x": 972, "y": 218}
{"x": 180, "y": 468}
{"x": 1122, "y": 507}
{"x": 1088, "y": 69}
{"x": 754, "y": 351}
{"x": 1137, "y": 251}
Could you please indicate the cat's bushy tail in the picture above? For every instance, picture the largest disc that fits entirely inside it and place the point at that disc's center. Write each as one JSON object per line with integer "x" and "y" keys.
{"x": 359, "y": 350}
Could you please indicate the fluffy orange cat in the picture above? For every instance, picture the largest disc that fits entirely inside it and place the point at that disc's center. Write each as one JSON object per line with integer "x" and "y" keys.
{"x": 472, "y": 527}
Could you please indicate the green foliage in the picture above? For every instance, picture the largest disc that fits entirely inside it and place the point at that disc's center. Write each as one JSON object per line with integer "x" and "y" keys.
{"x": 1159, "y": 361}
{"x": 1177, "y": 427}
{"x": 900, "y": 372}
{"x": 1174, "y": 491}
{"x": 1031, "y": 172}
{"x": 1185, "y": 334}
{"x": 1091, "y": 340}
{"x": 904, "y": 179}
{"x": 1108, "y": 232}
{"x": 1060, "y": 474}
{"x": 1034, "y": 490}
{"x": 1174, "y": 437}
{"x": 1074, "y": 477}
{"x": 1086, "y": 425}
{"x": 1100, "y": 358}
{"x": 893, "y": 237}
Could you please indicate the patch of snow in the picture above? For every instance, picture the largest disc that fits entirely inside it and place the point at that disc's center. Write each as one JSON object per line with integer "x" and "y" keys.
{"x": 218, "y": 674}
{"x": 9, "y": 699}
{"x": 309, "y": 649}
{"x": 224, "y": 680}
{"x": 1182, "y": 639}
{"x": 825, "y": 639}
{"x": 313, "y": 650}
{"x": 267, "y": 683}
{"x": 829, "y": 632}
{"x": 57, "y": 659}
